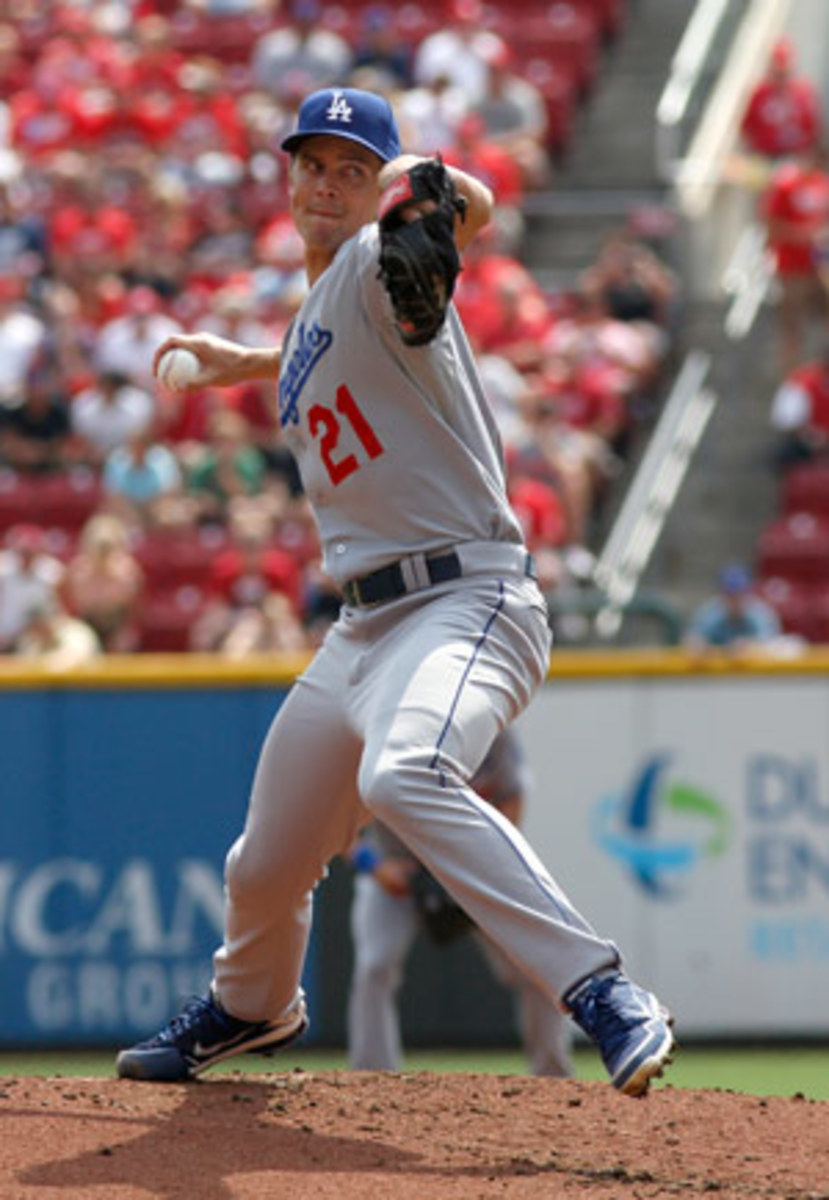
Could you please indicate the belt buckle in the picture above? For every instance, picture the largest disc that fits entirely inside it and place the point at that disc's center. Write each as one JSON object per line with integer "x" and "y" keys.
{"x": 351, "y": 593}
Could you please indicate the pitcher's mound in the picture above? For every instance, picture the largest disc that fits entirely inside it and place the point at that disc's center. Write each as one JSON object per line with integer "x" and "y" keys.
{"x": 300, "y": 1136}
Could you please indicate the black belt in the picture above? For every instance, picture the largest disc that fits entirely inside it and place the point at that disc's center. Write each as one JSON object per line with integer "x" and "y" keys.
{"x": 388, "y": 583}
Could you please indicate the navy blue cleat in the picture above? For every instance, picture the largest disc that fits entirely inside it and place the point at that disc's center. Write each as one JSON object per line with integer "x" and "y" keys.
{"x": 631, "y": 1029}
{"x": 203, "y": 1034}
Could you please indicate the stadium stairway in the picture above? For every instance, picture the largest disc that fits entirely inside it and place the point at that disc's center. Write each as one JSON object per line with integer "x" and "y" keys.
{"x": 730, "y": 492}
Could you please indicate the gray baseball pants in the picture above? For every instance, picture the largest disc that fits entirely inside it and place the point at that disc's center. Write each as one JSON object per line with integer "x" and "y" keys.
{"x": 393, "y": 716}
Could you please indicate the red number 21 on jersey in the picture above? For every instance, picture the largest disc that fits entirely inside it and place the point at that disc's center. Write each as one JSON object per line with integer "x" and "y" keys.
{"x": 324, "y": 423}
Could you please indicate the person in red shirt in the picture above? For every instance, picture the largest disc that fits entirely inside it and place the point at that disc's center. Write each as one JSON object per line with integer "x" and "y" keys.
{"x": 800, "y": 413}
{"x": 783, "y": 116}
{"x": 488, "y": 161}
{"x": 87, "y": 231}
{"x": 252, "y": 569}
{"x": 796, "y": 206}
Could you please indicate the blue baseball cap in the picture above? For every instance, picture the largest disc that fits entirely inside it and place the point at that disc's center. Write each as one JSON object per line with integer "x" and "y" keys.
{"x": 351, "y": 113}
{"x": 734, "y": 579}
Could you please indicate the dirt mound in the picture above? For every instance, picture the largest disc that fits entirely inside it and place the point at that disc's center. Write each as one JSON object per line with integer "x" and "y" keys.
{"x": 301, "y": 1136}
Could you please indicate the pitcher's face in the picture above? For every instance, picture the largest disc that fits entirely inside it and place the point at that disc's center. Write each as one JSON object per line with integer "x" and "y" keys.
{"x": 334, "y": 191}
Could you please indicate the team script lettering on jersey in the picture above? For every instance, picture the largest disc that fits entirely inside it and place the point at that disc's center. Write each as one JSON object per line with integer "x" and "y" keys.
{"x": 310, "y": 346}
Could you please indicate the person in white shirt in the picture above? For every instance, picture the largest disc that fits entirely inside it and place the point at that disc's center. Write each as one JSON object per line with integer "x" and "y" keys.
{"x": 110, "y": 412}
{"x": 458, "y": 51}
{"x": 128, "y": 343}
{"x": 29, "y": 579}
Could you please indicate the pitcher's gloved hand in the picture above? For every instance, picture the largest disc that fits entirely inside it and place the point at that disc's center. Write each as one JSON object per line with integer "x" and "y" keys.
{"x": 419, "y": 261}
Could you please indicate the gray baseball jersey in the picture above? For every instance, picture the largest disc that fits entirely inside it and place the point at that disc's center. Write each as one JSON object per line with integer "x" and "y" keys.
{"x": 419, "y": 420}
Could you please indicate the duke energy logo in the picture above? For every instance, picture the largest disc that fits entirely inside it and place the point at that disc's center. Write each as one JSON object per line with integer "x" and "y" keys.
{"x": 660, "y": 828}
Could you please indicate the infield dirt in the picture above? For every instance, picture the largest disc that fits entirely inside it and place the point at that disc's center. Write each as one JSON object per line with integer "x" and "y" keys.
{"x": 303, "y": 1136}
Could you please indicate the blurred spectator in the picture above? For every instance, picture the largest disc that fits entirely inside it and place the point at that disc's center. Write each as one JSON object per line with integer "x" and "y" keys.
{"x": 514, "y": 318}
{"x": 155, "y": 62}
{"x": 109, "y": 413}
{"x": 458, "y": 51}
{"x": 301, "y": 48}
{"x": 139, "y": 476}
{"x": 430, "y": 114}
{"x": 734, "y": 618}
{"x": 224, "y": 241}
{"x": 475, "y": 152}
{"x": 621, "y": 357}
{"x": 243, "y": 577}
{"x": 541, "y": 514}
{"x": 55, "y": 638}
{"x": 14, "y": 69}
{"x": 783, "y": 116}
{"x": 40, "y": 122}
{"x": 127, "y": 344}
{"x": 231, "y": 313}
{"x": 588, "y": 396}
{"x": 23, "y": 243}
{"x": 209, "y": 120}
{"x": 229, "y": 466}
{"x": 797, "y": 212}
{"x": 574, "y": 462}
{"x": 29, "y": 578}
{"x": 89, "y": 231}
{"x": 103, "y": 583}
{"x": 35, "y": 432}
{"x": 270, "y": 627}
{"x": 515, "y": 115}
{"x": 631, "y": 281}
{"x": 800, "y": 413}
{"x": 490, "y": 261}
{"x": 22, "y": 336}
{"x": 380, "y": 47}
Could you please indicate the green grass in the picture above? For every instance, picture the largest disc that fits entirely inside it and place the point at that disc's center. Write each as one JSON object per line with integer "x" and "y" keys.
{"x": 779, "y": 1071}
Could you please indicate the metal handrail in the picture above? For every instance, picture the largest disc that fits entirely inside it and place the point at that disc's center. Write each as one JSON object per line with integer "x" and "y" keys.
{"x": 747, "y": 280}
{"x": 641, "y": 519}
{"x": 686, "y": 70}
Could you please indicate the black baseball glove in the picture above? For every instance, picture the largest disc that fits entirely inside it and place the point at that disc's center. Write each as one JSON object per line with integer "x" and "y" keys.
{"x": 419, "y": 261}
{"x": 442, "y": 918}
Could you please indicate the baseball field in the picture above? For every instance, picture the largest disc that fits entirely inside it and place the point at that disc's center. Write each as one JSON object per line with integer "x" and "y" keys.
{"x": 736, "y": 1123}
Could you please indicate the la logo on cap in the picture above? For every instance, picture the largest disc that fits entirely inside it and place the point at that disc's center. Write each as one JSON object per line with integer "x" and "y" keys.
{"x": 339, "y": 109}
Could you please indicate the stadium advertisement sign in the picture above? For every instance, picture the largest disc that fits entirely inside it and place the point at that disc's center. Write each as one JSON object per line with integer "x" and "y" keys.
{"x": 690, "y": 822}
{"x": 687, "y": 815}
{"x": 118, "y": 809}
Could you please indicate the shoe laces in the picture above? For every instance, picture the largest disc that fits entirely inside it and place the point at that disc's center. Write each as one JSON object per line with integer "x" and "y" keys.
{"x": 597, "y": 1007}
{"x": 199, "y": 1016}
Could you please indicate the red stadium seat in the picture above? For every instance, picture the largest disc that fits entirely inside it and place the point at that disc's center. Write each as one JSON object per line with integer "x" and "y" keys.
{"x": 806, "y": 489}
{"x": 415, "y": 21}
{"x": 796, "y": 548}
{"x": 173, "y": 558}
{"x": 229, "y": 38}
{"x": 566, "y": 37}
{"x": 608, "y": 14}
{"x": 559, "y": 93}
{"x": 346, "y": 23}
{"x": 796, "y": 604}
{"x": 16, "y": 498}
{"x": 165, "y": 620}
{"x": 66, "y": 500}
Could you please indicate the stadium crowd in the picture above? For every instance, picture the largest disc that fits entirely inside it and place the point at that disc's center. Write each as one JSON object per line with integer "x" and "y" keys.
{"x": 784, "y": 160}
{"x": 142, "y": 192}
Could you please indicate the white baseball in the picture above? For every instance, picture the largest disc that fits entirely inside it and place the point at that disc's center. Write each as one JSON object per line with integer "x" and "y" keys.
{"x": 178, "y": 368}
